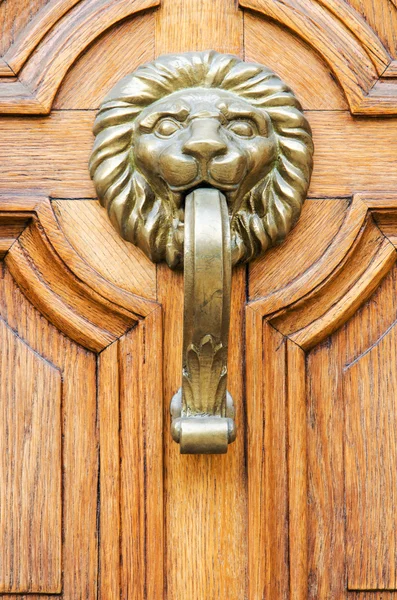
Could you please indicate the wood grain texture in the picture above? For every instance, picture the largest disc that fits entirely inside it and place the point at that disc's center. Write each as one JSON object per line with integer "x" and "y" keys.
{"x": 332, "y": 395}
{"x": 115, "y": 54}
{"x": 26, "y": 23}
{"x": 325, "y": 414}
{"x": 48, "y": 268}
{"x": 34, "y": 90}
{"x": 346, "y": 42}
{"x": 297, "y": 472}
{"x": 267, "y": 470}
{"x": 14, "y": 18}
{"x": 382, "y": 17}
{"x": 325, "y": 558}
{"x": 199, "y": 25}
{"x": 94, "y": 415}
{"x": 141, "y": 444}
{"x": 130, "y": 424}
{"x": 369, "y": 384}
{"x": 324, "y": 222}
{"x": 79, "y": 437}
{"x": 86, "y": 226}
{"x": 30, "y": 469}
{"x": 309, "y": 321}
{"x": 109, "y": 429}
{"x": 277, "y": 463}
{"x": 316, "y": 273}
{"x": 294, "y": 61}
{"x": 356, "y": 24}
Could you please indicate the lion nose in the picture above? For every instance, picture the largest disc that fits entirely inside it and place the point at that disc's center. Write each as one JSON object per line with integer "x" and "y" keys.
{"x": 205, "y": 141}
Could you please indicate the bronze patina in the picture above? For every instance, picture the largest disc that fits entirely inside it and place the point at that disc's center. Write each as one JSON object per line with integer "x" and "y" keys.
{"x": 204, "y": 161}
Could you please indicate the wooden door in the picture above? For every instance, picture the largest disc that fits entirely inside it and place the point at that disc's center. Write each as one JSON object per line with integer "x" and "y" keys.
{"x": 95, "y": 499}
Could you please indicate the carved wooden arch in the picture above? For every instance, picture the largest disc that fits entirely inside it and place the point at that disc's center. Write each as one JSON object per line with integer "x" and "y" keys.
{"x": 280, "y": 330}
{"x": 347, "y": 43}
{"x": 46, "y": 48}
{"x": 119, "y": 335}
{"x": 18, "y": 53}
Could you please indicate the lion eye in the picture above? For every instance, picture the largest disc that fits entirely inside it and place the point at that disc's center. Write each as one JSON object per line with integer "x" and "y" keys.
{"x": 242, "y": 128}
{"x": 167, "y": 127}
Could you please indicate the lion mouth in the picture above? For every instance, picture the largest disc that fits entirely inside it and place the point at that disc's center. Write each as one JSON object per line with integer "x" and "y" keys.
{"x": 181, "y": 192}
{"x": 203, "y": 183}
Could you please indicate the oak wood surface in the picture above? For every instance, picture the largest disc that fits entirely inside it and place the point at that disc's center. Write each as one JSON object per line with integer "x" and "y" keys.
{"x": 79, "y": 452}
{"x": 370, "y": 465}
{"x": 345, "y": 41}
{"x": 14, "y": 17}
{"x": 340, "y": 452}
{"x": 116, "y": 53}
{"x": 324, "y": 507}
{"x": 302, "y": 506}
{"x": 382, "y": 17}
{"x": 289, "y": 56}
{"x": 68, "y": 33}
{"x": 86, "y": 226}
{"x": 30, "y": 442}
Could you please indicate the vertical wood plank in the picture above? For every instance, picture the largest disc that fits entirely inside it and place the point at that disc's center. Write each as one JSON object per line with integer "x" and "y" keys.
{"x": 370, "y": 384}
{"x": 141, "y": 497}
{"x": 326, "y": 519}
{"x": 267, "y": 460}
{"x": 80, "y": 479}
{"x": 297, "y": 471}
{"x": 109, "y": 425}
{"x": 79, "y": 437}
{"x": 30, "y": 469}
{"x": 152, "y": 397}
{"x": 187, "y": 25}
{"x": 132, "y": 497}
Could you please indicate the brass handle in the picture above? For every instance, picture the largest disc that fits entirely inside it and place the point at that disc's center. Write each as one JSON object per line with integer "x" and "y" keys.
{"x": 202, "y": 410}
{"x": 235, "y": 134}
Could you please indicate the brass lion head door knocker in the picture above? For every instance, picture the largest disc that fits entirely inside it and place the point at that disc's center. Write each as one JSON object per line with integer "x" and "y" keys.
{"x": 203, "y": 161}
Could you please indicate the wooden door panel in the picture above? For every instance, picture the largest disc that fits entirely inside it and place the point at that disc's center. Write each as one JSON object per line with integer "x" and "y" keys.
{"x": 81, "y": 435}
{"x": 15, "y": 19}
{"x": 382, "y": 17}
{"x": 30, "y": 447}
{"x": 369, "y": 384}
{"x": 341, "y": 35}
{"x": 324, "y": 494}
{"x": 269, "y": 43}
{"x": 48, "y": 46}
{"x": 351, "y": 453}
{"x": 39, "y": 551}
{"x": 113, "y": 55}
{"x": 88, "y": 230}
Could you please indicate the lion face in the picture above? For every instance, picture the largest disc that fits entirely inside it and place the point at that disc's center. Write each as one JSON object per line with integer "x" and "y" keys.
{"x": 201, "y": 119}
{"x": 202, "y": 137}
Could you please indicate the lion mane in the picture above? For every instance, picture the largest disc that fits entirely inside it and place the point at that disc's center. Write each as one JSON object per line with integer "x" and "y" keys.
{"x": 267, "y": 212}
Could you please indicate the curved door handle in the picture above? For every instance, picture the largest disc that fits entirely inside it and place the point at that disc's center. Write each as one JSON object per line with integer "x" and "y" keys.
{"x": 202, "y": 410}
{"x": 204, "y": 161}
